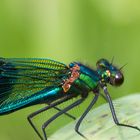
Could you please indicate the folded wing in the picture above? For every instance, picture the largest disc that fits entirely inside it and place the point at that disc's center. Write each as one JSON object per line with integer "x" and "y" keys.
{"x": 23, "y": 80}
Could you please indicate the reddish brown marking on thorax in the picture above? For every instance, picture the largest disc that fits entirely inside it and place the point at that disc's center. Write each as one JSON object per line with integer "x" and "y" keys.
{"x": 74, "y": 75}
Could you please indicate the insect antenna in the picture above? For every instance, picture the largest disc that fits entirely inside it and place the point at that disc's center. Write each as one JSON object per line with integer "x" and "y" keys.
{"x": 123, "y": 66}
{"x": 112, "y": 60}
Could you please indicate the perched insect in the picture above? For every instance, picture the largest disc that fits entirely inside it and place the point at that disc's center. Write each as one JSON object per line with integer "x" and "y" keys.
{"x": 25, "y": 82}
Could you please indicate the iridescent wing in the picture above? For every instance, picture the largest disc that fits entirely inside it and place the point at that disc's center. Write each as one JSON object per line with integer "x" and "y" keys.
{"x": 21, "y": 78}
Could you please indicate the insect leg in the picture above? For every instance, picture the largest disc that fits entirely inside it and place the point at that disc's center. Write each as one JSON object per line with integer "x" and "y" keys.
{"x": 113, "y": 111}
{"x": 67, "y": 114}
{"x": 103, "y": 97}
{"x": 32, "y": 115}
{"x": 84, "y": 114}
{"x": 76, "y": 103}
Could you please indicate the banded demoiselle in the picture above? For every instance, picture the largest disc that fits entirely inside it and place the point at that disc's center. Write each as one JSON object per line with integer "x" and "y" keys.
{"x": 29, "y": 81}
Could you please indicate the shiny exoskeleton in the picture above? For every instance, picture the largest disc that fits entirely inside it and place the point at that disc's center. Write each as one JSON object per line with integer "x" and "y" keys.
{"x": 29, "y": 81}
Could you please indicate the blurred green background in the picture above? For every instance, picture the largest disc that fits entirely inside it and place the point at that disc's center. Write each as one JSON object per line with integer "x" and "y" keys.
{"x": 66, "y": 31}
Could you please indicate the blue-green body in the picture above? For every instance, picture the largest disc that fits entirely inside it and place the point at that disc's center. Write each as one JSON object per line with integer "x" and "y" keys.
{"x": 26, "y": 82}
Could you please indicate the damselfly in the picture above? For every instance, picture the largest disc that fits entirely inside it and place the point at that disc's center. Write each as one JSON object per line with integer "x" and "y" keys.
{"x": 29, "y": 81}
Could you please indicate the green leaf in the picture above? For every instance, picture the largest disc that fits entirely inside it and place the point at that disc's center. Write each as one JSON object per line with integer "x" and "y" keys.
{"x": 99, "y": 123}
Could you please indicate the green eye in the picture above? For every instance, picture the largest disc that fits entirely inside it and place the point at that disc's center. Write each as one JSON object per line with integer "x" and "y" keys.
{"x": 102, "y": 64}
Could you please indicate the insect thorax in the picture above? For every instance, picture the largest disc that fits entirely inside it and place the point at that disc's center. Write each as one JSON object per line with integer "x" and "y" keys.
{"x": 81, "y": 76}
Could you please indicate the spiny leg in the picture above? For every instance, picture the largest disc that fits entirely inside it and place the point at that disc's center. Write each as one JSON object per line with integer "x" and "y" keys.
{"x": 84, "y": 114}
{"x": 76, "y": 103}
{"x": 67, "y": 114}
{"x": 113, "y": 111}
{"x": 32, "y": 115}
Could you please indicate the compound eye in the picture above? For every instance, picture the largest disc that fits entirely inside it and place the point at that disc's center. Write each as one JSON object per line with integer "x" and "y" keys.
{"x": 102, "y": 64}
{"x": 117, "y": 80}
